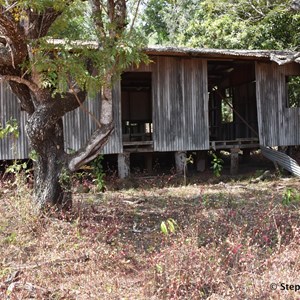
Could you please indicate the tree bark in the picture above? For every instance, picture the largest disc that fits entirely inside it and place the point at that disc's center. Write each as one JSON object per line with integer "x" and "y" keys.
{"x": 52, "y": 184}
{"x": 44, "y": 129}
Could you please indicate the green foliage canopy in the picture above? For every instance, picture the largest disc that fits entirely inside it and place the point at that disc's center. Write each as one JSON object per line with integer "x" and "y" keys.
{"x": 59, "y": 63}
{"x": 237, "y": 24}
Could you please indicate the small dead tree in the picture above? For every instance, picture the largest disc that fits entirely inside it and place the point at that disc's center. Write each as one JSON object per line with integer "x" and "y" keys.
{"x": 52, "y": 78}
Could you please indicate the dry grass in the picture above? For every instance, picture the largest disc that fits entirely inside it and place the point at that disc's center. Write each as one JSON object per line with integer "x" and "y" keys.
{"x": 233, "y": 240}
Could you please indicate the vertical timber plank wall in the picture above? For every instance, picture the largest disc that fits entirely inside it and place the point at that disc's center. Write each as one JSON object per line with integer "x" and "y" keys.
{"x": 278, "y": 124}
{"x": 180, "y": 105}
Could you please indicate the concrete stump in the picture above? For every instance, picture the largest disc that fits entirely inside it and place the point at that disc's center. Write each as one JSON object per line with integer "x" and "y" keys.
{"x": 123, "y": 165}
{"x": 180, "y": 162}
{"x": 234, "y": 164}
{"x": 201, "y": 161}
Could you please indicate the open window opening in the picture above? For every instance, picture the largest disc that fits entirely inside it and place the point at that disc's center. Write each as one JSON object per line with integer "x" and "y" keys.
{"x": 293, "y": 91}
{"x": 136, "y": 107}
{"x": 227, "y": 106}
{"x": 232, "y": 100}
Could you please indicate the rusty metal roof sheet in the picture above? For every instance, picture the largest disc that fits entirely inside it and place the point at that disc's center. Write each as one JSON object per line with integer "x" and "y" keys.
{"x": 279, "y": 56}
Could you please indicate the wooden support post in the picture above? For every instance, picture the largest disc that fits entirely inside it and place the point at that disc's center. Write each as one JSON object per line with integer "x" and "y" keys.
{"x": 201, "y": 161}
{"x": 124, "y": 164}
{"x": 234, "y": 166}
{"x": 180, "y": 162}
{"x": 148, "y": 161}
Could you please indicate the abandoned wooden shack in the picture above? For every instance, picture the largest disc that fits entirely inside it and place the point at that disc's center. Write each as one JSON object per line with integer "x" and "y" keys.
{"x": 187, "y": 100}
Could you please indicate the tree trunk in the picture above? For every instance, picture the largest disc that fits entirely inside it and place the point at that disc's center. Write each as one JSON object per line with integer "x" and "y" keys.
{"x": 52, "y": 184}
{"x": 53, "y": 166}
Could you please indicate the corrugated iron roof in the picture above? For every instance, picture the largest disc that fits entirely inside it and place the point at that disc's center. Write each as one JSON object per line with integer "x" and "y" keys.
{"x": 279, "y": 56}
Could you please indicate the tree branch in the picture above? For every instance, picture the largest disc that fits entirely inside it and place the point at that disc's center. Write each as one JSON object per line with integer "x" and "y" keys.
{"x": 23, "y": 93}
{"x": 118, "y": 15}
{"x": 39, "y": 24}
{"x": 70, "y": 102}
{"x": 5, "y": 9}
{"x": 15, "y": 38}
{"x": 256, "y": 9}
{"x": 32, "y": 86}
{"x": 91, "y": 149}
{"x": 48, "y": 113}
{"x": 97, "y": 15}
{"x": 135, "y": 16}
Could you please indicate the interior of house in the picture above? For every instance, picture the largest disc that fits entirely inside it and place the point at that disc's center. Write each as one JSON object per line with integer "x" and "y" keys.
{"x": 232, "y": 100}
{"x": 136, "y": 106}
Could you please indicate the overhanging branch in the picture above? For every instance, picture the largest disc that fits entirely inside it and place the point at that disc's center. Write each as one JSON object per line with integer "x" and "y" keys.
{"x": 39, "y": 23}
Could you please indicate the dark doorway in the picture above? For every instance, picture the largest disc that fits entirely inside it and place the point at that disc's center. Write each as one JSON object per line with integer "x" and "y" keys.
{"x": 136, "y": 106}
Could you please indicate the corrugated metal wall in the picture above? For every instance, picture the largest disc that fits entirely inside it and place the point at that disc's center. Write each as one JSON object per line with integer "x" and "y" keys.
{"x": 180, "y": 110}
{"x": 180, "y": 104}
{"x": 278, "y": 124}
{"x": 11, "y": 109}
{"x": 79, "y": 125}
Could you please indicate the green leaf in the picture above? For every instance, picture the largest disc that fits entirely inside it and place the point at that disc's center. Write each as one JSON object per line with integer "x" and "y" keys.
{"x": 163, "y": 228}
{"x": 171, "y": 225}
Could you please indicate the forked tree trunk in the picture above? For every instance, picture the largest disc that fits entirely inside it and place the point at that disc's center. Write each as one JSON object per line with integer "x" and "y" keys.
{"x": 53, "y": 167}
